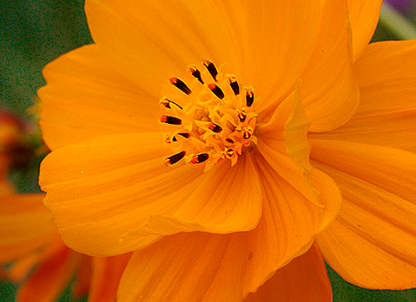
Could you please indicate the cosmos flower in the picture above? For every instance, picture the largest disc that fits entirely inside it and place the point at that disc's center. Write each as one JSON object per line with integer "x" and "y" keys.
{"x": 41, "y": 263}
{"x": 14, "y": 150}
{"x": 184, "y": 135}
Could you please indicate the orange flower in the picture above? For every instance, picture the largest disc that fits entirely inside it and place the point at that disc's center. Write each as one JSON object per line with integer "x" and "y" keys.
{"x": 42, "y": 263}
{"x": 182, "y": 135}
{"x": 14, "y": 151}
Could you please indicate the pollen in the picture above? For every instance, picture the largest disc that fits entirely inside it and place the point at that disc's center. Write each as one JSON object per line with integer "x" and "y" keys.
{"x": 212, "y": 116}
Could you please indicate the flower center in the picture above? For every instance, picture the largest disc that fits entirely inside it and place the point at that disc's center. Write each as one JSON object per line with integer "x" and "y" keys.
{"x": 212, "y": 117}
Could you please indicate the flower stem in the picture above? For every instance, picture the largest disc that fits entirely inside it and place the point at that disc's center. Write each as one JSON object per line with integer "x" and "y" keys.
{"x": 396, "y": 23}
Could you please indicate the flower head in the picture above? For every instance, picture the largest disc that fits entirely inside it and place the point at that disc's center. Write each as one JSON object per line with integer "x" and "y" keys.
{"x": 184, "y": 135}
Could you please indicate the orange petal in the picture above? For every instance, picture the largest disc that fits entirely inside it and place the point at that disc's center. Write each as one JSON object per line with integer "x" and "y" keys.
{"x": 50, "y": 279}
{"x": 385, "y": 73}
{"x": 277, "y": 39}
{"x": 82, "y": 281}
{"x": 283, "y": 143}
{"x": 289, "y": 223}
{"x": 21, "y": 267}
{"x": 387, "y": 110}
{"x": 363, "y": 15}
{"x": 268, "y": 44}
{"x": 153, "y": 40}
{"x": 85, "y": 97}
{"x": 198, "y": 267}
{"x": 106, "y": 277}
{"x": 114, "y": 186}
{"x": 372, "y": 243}
{"x": 25, "y": 225}
{"x": 303, "y": 279}
{"x": 329, "y": 91}
{"x": 6, "y": 187}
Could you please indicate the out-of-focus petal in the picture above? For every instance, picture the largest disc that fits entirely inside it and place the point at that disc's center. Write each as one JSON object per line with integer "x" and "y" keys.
{"x": 85, "y": 97}
{"x": 371, "y": 243}
{"x": 105, "y": 277}
{"x": 82, "y": 281}
{"x": 329, "y": 91}
{"x": 49, "y": 280}
{"x": 303, "y": 279}
{"x": 113, "y": 186}
{"x": 363, "y": 16}
{"x": 25, "y": 225}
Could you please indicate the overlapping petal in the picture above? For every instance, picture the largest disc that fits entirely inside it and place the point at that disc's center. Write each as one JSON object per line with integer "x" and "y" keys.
{"x": 303, "y": 279}
{"x": 372, "y": 241}
{"x": 387, "y": 111}
{"x": 85, "y": 97}
{"x": 329, "y": 90}
{"x": 25, "y": 225}
{"x": 119, "y": 184}
{"x": 287, "y": 214}
{"x": 278, "y": 39}
{"x": 363, "y": 15}
{"x": 162, "y": 37}
{"x": 283, "y": 143}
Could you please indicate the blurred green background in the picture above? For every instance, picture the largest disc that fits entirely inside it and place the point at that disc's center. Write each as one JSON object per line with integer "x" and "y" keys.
{"x": 35, "y": 32}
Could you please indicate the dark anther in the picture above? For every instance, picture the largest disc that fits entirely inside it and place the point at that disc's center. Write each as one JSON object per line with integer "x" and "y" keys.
{"x": 195, "y": 73}
{"x": 171, "y": 160}
{"x": 216, "y": 90}
{"x": 215, "y": 128}
{"x": 180, "y": 85}
{"x": 170, "y": 120}
{"x": 185, "y": 135}
{"x": 167, "y": 103}
{"x": 234, "y": 84}
{"x": 201, "y": 157}
{"x": 229, "y": 140}
{"x": 249, "y": 98}
{"x": 211, "y": 68}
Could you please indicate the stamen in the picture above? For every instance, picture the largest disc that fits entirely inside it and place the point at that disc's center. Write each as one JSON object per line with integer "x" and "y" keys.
{"x": 209, "y": 127}
{"x": 180, "y": 85}
{"x": 249, "y": 96}
{"x": 185, "y": 135}
{"x": 167, "y": 103}
{"x": 228, "y": 153}
{"x": 233, "y": 84}
{"x": 247, "y": 132}
{"x": 170, "y": 120}
{"x": 216, "y": 90}
{"x": 215, "y": 128}
{"x": 196, "y": 73}
{"x": 171, "y": 160}
{"x": 242, "y": 114}
{"x": 199, "y": 158}
{"x": 211, "y": 68}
